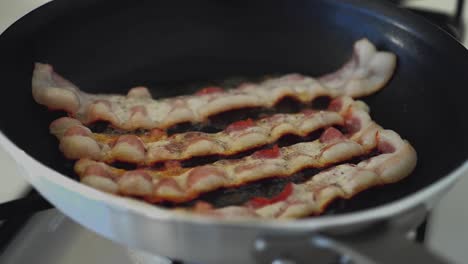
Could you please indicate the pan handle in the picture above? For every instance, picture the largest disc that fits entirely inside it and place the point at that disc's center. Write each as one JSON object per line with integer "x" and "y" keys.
{"x": 378, "y": 243}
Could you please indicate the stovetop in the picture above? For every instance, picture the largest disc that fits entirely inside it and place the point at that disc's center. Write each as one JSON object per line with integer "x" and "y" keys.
{"x": 31, "y": 232}
{"x": 50, "y": 237}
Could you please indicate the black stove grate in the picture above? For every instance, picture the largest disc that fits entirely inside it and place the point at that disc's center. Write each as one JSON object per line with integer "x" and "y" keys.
{"x": 16, "y": 213}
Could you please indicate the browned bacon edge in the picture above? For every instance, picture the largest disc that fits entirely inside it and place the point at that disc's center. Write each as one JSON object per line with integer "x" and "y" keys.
{"x": 77, "y": 141}
{"x": 366, "y": 72}
{"x": 397, "y": 161}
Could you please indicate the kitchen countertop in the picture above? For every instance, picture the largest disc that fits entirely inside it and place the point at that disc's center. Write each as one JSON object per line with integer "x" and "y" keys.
{"x": 447, "y": 234}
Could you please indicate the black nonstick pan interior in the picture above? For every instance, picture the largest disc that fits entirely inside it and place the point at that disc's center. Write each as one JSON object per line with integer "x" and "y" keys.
{"x": 108, "y": 47}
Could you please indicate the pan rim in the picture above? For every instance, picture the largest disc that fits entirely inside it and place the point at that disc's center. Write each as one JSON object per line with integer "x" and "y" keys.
{"x": 35, "y": 169}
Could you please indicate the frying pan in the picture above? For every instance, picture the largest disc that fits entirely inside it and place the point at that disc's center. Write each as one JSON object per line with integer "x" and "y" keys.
{"x": 107, "y": 47}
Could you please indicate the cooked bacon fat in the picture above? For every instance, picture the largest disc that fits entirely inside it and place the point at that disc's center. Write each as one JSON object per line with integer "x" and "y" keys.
{"x": 351, "y": 152}
{"x": 366, "y": 72}
{"x": 176, "y": 184}
{"x": 342, "y": 181}
{"x": 156, "y": 146}
{"x": 187, "y": 184}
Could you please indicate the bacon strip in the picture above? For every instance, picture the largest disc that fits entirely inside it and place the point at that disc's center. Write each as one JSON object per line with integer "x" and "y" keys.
{"x": 343, "y": 181}
{"x": 180, "y": 184}
{"x": 367, "y": 71}
{"x": 149, "y": 149}
{"x": 190, "y": 183}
